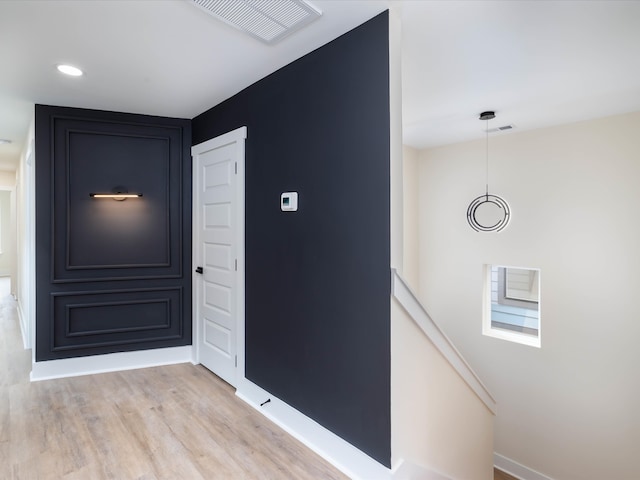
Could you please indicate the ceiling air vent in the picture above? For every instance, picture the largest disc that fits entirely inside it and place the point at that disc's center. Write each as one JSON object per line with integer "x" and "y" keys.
{"x": 267, "y": 20}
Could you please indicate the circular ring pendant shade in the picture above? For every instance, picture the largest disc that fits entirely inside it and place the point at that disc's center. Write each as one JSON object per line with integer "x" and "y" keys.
{"x": 488, "y": 213}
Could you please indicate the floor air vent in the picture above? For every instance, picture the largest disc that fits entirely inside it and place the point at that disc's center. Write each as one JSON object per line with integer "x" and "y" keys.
{"x": 267, "y": 20}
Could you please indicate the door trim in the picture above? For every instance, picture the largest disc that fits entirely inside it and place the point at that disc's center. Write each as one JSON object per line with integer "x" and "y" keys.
{"x": 235, "y": 136}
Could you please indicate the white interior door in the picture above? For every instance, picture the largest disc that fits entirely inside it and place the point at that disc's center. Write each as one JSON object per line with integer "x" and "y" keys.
{"x": 218, "y": 252}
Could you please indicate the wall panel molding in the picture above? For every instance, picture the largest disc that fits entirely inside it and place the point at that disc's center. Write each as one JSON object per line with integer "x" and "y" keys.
{"x": 166, "y": 140}
{"x": 114, "y": 317}
{"x": 79, "y": 171}
{"x": 111, "y": 275}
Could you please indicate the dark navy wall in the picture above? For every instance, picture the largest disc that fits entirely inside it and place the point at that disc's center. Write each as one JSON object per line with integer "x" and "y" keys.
{"x": 318, "y": 280}
{"x": 111, "y": 275}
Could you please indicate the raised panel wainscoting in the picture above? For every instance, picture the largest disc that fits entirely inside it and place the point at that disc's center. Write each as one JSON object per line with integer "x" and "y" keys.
{"x": 110, "y": 275}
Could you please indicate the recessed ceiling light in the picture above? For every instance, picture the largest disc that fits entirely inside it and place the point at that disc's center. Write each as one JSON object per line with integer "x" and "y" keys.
{"x": 4, "y": 140}
{"x": 70, "y": 70}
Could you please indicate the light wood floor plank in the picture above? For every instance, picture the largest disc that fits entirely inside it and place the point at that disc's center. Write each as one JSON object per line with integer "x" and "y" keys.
{"x": 500, "y": 475}
{"x": 163, "y": 423}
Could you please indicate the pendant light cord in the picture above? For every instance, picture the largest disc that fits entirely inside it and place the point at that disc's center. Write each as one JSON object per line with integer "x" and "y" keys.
{"x": 487, "y": 157}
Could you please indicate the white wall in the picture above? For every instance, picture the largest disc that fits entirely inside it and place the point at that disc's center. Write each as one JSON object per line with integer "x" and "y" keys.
{"x": 570, "y": 408}
{"x": 410, "y": 220}
{"x": 395, "y": 136}
{"x": 7, "y": 179}
{"x": 25, "y": 278}
{"x": 438, "y": 422}
{"x": 8, "y": 226}
{"x": 7, "y": 255}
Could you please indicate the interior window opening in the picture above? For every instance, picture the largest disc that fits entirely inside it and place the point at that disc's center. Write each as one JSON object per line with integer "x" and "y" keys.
{"x": 512, "y": 304}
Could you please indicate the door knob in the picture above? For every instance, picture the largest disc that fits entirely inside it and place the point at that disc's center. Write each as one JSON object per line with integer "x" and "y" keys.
{"x": 199, "y": 270}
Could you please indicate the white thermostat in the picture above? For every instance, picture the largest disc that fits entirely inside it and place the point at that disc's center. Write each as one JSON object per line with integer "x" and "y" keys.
{"x": 289, "y": 202}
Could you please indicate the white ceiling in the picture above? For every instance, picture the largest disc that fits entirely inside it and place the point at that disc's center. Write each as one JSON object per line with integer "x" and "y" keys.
{"x": 536, "y": 63}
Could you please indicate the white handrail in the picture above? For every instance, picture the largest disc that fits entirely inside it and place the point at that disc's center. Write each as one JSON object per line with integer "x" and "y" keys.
{"x": 417, "y": 312}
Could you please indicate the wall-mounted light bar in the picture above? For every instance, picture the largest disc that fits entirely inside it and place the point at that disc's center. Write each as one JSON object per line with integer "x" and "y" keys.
{"x": 117, "y": 193}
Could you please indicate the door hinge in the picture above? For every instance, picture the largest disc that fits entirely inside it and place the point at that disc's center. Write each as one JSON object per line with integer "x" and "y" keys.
{"x": 236, "y": 168}
{"x": 236, "y": 264}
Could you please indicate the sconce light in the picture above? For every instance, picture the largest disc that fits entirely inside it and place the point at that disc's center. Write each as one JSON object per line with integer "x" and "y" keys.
{"x": 117, "y": 193}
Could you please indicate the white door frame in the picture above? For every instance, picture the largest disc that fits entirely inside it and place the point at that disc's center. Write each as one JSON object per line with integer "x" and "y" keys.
{"x": 238, "y": 135}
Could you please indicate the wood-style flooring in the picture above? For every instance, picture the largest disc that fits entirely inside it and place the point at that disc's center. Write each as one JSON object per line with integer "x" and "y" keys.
{"x": 173, "y": 422}
{"x": 500, "y": 475}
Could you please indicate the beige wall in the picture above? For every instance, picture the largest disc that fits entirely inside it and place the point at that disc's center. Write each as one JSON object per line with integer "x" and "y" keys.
{"x": 7, "y": 179}
{"x": 410, "y": 220}
{"x": 569, "y": 409}
{"x": 395, "y": 137}
{"x": 7, "y": 254}
{"x": 25, "y": 284}
{"x": 437, "y": 420}
{"x": 8, "y": 226}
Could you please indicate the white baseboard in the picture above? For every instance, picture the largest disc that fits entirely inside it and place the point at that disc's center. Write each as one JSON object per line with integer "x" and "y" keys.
{"x": 111, "y": 362}
{"x": 344, "y": 456}
{"x": 517, "y": 470}
{"x": 410, "y": 471}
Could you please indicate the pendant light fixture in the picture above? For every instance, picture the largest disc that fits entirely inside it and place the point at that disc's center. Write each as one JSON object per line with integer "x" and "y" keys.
{"x": 488, "y": 213}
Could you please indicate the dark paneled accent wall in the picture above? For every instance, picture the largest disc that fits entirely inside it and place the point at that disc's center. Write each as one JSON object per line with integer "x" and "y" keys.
{"x": 111, "y": 275}
{"x": 318, "y": 280}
